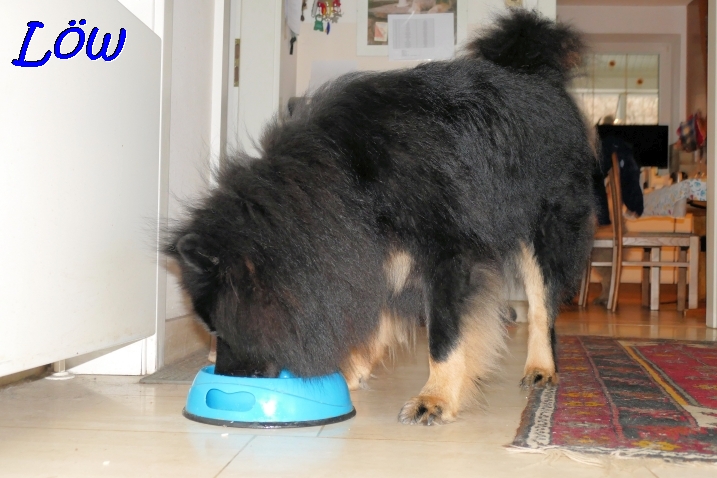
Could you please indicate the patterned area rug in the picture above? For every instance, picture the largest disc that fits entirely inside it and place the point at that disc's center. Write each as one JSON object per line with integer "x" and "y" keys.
{"x": 627, "y": 398}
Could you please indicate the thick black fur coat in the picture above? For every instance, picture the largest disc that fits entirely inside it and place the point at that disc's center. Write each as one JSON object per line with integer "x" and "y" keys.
{"x": 461, "y": 166}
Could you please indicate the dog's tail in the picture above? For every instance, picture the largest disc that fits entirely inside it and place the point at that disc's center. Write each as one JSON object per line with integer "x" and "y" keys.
{"x": 525, "y": 41}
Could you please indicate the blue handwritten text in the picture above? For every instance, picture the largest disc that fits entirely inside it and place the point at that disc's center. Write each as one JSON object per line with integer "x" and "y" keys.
{"x": 65, "y": 40}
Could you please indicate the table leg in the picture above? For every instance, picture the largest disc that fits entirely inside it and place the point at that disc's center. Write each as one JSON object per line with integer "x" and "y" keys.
{"x": 645, "y": 279}
{"x": 655, "y": 279}
{"x": 694, "y": 271}
{"x": 681, "y": 280}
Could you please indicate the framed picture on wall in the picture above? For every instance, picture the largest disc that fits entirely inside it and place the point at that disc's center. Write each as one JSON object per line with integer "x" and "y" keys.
{"x": 372, "y": 23}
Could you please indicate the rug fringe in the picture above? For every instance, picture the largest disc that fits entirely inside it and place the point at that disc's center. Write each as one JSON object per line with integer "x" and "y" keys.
{"x": 553, "y": 454}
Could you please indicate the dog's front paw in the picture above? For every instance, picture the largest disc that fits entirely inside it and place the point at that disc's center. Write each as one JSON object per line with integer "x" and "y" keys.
{"x": 426, "y": 410}
{"x": 538, "y": 378}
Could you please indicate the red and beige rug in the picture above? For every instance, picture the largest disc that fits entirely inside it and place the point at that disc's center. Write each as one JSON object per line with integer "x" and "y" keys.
{"x": 628, "y": 398}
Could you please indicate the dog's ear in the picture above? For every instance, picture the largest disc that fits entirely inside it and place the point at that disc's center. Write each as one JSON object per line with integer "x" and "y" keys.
{"x": 195, "y": 254}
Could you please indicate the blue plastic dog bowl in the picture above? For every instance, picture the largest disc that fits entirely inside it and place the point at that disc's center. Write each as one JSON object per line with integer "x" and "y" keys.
{"x": 283, "y": 402}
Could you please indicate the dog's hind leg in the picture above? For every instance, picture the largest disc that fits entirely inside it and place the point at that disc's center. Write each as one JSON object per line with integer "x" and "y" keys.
{"x": 392, "y": 331}
{"x": 466, "y": 337}
{"x": 540, "y": 365}
{"x": 397, "y": 322}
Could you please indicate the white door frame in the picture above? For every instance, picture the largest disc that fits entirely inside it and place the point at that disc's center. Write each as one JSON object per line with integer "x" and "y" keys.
{"x": 711, "y": 163}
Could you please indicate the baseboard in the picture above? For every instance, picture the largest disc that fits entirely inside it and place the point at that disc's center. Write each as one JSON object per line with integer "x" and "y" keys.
{"x": 184, "y": 336}
{"x": 20, "y": 376}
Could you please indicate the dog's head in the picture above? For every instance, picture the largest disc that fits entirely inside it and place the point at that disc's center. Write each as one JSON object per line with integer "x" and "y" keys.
{"x": 231, "y": 293}
{"x": 281, "y": 267}
{"x": 199, "y": 267}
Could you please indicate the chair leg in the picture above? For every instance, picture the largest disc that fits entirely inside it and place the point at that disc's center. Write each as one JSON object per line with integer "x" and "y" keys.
{"x": 585, "y": 285}
{"x": 645, "y": 279}
{"x": 681, "y": 281}
{"x": 615, "y": 280}
{"x": 611, "y": 295}
{"x": 694, "y": 271}
{"x": 655, "y": 280}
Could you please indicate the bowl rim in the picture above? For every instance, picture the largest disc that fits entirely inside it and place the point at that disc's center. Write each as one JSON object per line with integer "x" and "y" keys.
{"x": 294, "y": 424}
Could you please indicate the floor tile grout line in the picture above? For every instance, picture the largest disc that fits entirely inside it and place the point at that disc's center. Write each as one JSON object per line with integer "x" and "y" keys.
{"x": 234, "y": 457}
{"x": 404, "y": 440}
{"x": 252, "y": 434}
{"x": 651, "y": 472}
{"x": 325, "y": 437}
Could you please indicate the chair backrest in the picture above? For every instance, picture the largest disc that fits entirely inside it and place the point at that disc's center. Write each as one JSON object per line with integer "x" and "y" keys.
{"x": 615, "y": 199}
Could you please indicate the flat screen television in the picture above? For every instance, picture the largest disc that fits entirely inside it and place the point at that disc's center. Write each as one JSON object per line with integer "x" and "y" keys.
{"x": 649, "y": 142}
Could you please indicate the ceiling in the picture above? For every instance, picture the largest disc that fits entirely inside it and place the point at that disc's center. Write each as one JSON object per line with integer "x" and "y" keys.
{"x": 619, "y": 64}
{"x": 625, "y": 3}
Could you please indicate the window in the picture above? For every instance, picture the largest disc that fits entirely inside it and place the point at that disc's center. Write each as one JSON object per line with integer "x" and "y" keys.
{"x": 624, "y": 86}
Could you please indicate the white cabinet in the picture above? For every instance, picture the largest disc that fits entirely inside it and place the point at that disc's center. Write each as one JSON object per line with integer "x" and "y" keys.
{"x": 79, "y": 182}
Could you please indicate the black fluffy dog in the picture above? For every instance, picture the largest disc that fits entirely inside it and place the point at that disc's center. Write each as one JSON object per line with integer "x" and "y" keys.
{"x": 400, "y": 196}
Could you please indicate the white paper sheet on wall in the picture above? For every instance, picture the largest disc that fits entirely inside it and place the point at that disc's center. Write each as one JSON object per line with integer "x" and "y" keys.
{"x": 293, "y": 15}
{"x": 427, "y": 36}
{"x": 326, "y": 70}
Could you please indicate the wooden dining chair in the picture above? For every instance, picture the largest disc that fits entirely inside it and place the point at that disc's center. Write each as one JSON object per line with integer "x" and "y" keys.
{"x": 607, "y": 237}
{"x": 651, "y": 243}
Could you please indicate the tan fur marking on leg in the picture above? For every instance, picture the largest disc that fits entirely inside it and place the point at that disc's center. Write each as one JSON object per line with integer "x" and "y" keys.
{"x": 453, "y": 383}
{"x": 441, "y": 397}
{"x": 398, "y": 268}
{"x": 392, "y": 331}
{"x": 539, "y": 366}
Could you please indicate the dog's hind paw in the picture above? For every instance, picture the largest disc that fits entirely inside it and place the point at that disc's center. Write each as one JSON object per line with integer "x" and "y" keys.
{"x": 357, "y": 383}
{"x": 538, "y": 378}
{"x": 357, "y": 379}
{"x": 426, "y": 410}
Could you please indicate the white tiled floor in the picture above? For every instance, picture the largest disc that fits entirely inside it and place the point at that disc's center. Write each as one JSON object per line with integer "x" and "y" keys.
{"x": 113, "y": 426}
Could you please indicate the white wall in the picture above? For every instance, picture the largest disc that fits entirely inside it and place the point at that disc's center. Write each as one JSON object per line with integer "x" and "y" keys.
{"x": 287, "y": 65}
{"x": 262, "y": 26}
{"x": 340, "y": 44}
